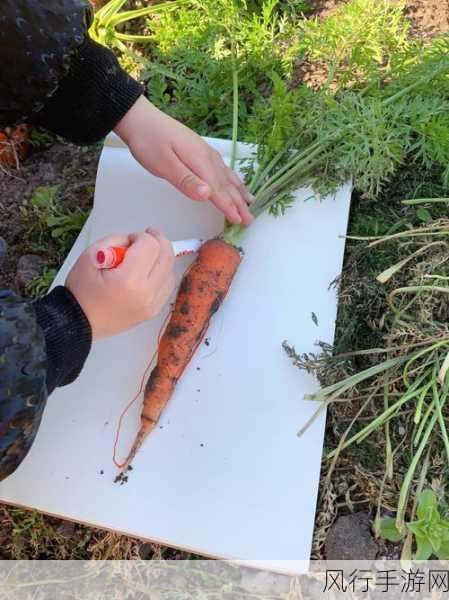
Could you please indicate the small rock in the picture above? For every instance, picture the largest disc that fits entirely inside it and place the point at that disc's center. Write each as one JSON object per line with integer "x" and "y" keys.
{"x": 3, "y": 250}
{"x": 146, "y": 551}
{"x": 66, "y": 529}
{"x": 350, "y": 538}
{"x": 28, "y": 268}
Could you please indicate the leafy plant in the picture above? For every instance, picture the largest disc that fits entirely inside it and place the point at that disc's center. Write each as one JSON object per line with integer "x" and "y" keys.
{"x": 430, "y": 530}
{"x": 109, "y": 20}
{"x": 45, "y": 214}
{"x": 30, "y": 527}
{"x": 295, "y": 8}
{"x": 40, "y": 139}
{"x": 316, "y": 138}
{"x": 411, "y": 378}
{"x": 359, "y": 39}
{"x": 194, "y": 54}
{"x": 40, "y": 285}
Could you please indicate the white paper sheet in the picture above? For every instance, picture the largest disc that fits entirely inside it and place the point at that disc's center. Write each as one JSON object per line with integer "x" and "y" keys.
{"x": 225, "y": 475}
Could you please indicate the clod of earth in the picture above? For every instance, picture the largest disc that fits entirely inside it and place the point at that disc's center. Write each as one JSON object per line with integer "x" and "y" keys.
{"x": 350, "y": 538}
{"x": 29, "y": 267}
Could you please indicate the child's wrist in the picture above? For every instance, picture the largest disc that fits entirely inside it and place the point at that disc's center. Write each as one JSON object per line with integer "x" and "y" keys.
{"x": 137, "y": 119}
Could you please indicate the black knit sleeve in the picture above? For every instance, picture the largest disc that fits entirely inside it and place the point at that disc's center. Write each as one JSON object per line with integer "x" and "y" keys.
{"x": 42, "y": 346}
{"x": 68, "y": 336}
{"x": 52, "y": 74}
{"x": 92, "y": 98}
{"x": 23, "y": 389}
{"x": 38, "y": 39}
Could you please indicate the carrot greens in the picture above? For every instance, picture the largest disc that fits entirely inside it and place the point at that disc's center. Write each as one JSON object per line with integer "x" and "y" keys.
{"x": 320, "y": 138}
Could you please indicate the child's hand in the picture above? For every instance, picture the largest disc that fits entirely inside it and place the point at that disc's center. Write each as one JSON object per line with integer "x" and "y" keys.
{"x": 172, "y": 151}
{"x": 117, "y": 299}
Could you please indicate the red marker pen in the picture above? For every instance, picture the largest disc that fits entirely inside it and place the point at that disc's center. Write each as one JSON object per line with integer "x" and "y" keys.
{"x": 112, "y": 256}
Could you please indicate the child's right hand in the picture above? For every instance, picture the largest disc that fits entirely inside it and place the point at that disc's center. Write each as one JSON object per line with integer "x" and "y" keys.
{"x": 117, "y": 299}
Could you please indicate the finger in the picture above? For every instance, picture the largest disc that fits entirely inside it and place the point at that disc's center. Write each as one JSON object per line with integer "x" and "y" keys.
{"x": 166, "y": 248}
{"x": 236, "y": 181}
{"x": 141, "y": 257}
{"x": 240, "y": 205}
{"x": 106, "y": 242}
{"x": 187, "y": 182}
{"x": 231, "y": 186}
{"x": 163, "y": 295}
{"x": 224, "y": 201}
{"x": 163, "y": 267}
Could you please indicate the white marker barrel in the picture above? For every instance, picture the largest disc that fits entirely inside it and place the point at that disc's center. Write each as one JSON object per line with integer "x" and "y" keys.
{"x": 186, "y": 247}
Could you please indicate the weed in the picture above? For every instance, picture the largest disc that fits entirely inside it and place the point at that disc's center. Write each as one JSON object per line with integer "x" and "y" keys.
{"x": 45, "y": 216}
{"x": 41, "y": 139}
{"x": 40, "y": 285}
{"x": 403, "y": 383}
{"x": 108, "y": 22}
{"x": 430, "y": 531}
{"x": 30, "y": 532}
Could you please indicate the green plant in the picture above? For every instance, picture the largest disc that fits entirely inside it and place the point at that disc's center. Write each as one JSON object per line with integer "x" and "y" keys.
{"x": 296, "y": 7}
{"x": 360, "y": 39}
{"x": 46, "y": 215}
{"x": 41, "y": 139}
{"x": 194, "y": 53}
{"x": 315, "y": 137}
{"x": 406, "y": 386}
{"x": 430, "y": 530}
{"x": 40, "y": 285}
{"x": 108, "y": 22}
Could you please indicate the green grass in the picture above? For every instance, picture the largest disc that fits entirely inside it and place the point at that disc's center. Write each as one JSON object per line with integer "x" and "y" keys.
{"x": 363, "y": 298}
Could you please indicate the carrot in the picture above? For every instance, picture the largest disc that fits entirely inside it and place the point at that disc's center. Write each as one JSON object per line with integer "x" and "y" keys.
{"x": 14, "y": 145}
{"x": 200, "y": 295}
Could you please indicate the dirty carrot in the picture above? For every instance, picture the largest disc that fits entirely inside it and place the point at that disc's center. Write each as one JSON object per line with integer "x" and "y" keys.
{"x": 202, "y": 290}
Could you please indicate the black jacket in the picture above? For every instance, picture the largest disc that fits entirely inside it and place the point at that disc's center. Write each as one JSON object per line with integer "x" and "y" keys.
{"x": 51, "y": 74}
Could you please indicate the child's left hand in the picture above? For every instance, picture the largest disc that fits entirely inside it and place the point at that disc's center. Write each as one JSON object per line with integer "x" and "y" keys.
{"x": 172, "y": 151}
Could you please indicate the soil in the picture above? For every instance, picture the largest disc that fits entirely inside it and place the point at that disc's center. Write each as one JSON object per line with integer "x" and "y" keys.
{"x": 428, "y": 17}
{"x": 71, "y": 168}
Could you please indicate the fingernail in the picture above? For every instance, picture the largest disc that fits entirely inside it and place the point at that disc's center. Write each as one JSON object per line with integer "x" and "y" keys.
{"x": 249, "y": 197}
{"x": 152, "y": 231}
{"x": 237, "y": 219}
{"x": 203, "y": 190}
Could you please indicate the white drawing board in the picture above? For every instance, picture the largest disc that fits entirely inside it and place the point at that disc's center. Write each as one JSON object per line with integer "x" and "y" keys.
{"x": 225, "y": 474}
